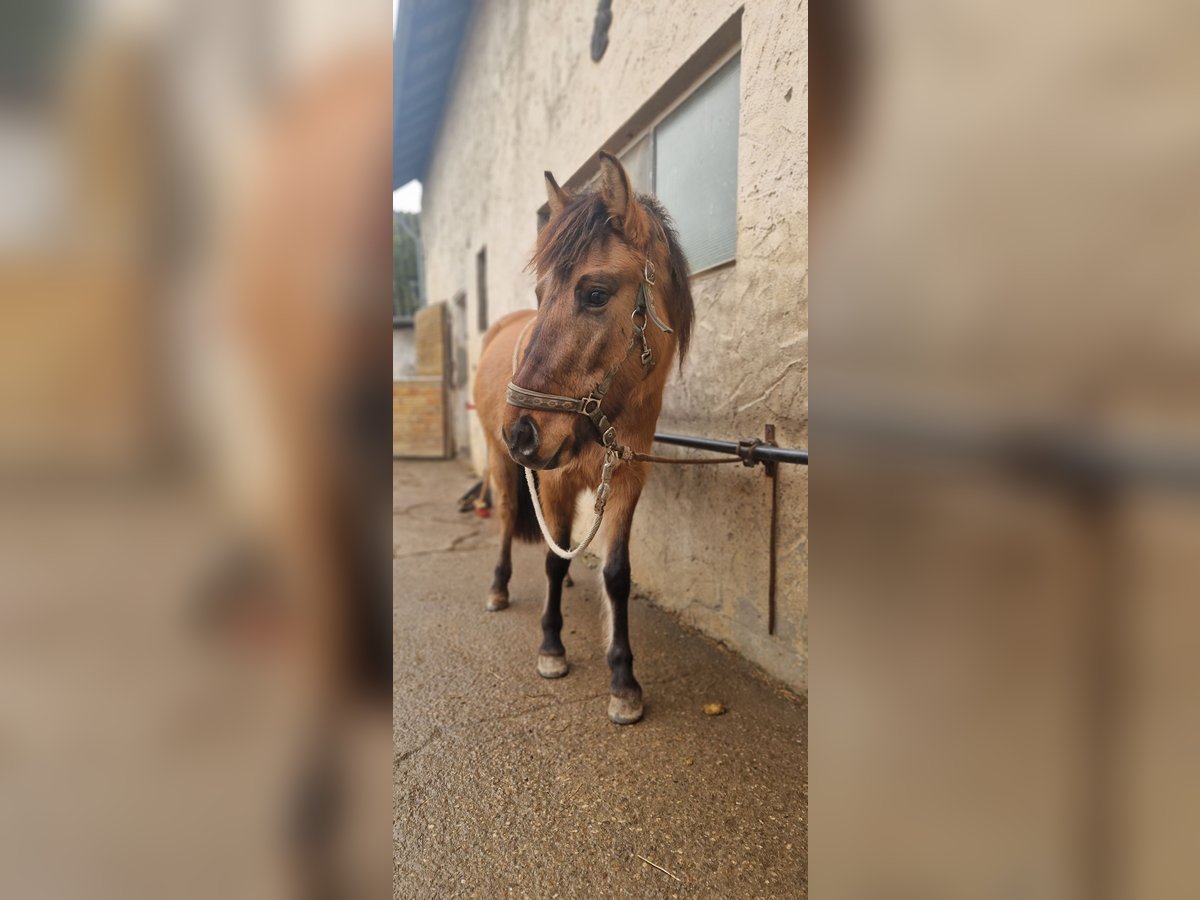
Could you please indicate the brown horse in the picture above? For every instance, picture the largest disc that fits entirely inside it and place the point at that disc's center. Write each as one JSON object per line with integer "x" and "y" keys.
{"x": 614, "y": 310}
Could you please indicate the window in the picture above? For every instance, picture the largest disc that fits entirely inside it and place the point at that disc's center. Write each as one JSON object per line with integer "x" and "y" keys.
{"x": 695, "y": 168}
{"x": 687, "y": 157}
{"x": 638, "y": 161}
{"x": 481, "y": 308}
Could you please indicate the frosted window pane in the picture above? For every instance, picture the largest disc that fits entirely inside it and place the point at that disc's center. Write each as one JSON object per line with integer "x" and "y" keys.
{"x": 695, "y": 168}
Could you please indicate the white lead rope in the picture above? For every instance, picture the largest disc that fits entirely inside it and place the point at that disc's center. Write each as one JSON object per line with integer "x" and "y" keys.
{"x": 537, "y": 508}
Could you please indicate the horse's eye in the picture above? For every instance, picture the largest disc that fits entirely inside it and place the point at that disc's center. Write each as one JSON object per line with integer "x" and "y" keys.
{"x": 596, "y": 298}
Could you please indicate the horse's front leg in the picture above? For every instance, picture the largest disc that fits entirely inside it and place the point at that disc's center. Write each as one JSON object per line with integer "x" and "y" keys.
{"x": 502, "y": 475}
{"x": 559, "y": 510}
{"x": 625, "y": 694}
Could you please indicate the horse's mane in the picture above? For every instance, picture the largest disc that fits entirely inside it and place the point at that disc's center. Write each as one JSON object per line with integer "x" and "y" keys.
{"x": 585, "y": 221}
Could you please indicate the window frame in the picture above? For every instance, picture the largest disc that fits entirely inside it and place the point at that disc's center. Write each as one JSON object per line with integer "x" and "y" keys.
{"x": 649, "y": 131}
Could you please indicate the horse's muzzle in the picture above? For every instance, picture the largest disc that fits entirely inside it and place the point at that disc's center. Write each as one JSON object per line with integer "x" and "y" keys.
{"x": 523, "y": 441}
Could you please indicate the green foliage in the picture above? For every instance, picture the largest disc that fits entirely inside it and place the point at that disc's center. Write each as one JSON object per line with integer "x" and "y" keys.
{"x": 405, "y": 272}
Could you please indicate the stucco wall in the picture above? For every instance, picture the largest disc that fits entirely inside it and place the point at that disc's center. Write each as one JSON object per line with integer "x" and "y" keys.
{"x": 527, "y": 97}
{"x": 404, "y": 353}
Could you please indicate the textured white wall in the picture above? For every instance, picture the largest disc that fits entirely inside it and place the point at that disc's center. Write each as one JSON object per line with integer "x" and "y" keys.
{"x": 404, "y": 353}
{"x": 527, "y": 97}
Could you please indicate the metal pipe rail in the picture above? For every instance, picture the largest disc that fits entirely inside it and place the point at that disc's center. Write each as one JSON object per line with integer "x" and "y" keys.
{"x": 750, "y": 452}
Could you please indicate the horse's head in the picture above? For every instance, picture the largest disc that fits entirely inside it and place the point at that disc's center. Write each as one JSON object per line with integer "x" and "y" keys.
{"x": 591, "y": 261}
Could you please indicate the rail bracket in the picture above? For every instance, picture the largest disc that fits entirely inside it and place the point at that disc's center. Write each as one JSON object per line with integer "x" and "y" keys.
{"x": 745, "y": 450}
{"x": 770, "y": 466}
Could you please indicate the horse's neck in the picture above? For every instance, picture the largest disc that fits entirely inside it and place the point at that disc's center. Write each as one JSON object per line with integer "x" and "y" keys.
{"x": 641, "y": 409}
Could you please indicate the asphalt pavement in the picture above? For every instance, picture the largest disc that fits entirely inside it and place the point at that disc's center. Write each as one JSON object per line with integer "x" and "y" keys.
{"x": 507, "y": 784}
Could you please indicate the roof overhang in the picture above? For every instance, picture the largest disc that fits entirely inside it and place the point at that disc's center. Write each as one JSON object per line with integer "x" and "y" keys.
{"x": 425, "y": 50}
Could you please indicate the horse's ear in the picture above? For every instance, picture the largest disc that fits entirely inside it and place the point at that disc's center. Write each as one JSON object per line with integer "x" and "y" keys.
{"x": 557, "y": 197}
{"x": 618, "y": 196}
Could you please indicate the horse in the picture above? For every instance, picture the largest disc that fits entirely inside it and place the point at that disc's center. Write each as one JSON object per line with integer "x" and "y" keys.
{"x": 573, "y": 391}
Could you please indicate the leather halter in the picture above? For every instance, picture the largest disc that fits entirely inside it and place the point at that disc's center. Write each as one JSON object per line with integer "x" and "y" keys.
{"x": 589, "y": 406}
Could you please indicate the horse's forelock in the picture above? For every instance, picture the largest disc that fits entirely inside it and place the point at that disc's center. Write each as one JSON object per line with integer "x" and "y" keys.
{"x": 585, "y": 222}
{"x": 567, "y": 237}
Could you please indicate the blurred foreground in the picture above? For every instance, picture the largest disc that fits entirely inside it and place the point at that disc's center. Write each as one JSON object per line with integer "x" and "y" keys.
{"x": 1006, "y": 435}
{"x": 138, "y": 759}
{"x": 195, "y": 270}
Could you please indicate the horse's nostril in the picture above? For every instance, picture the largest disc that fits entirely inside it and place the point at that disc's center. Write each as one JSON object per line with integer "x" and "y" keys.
{"x": 524, "y": 439}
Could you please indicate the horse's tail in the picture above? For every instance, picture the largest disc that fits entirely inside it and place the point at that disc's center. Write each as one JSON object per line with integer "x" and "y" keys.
{"x": 525, "y": 526}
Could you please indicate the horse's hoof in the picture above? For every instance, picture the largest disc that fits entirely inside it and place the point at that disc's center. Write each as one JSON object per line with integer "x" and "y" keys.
{"x": 552, "y": 666}
{"x": 497, "y": 600}
{"x": 622, "y": 711}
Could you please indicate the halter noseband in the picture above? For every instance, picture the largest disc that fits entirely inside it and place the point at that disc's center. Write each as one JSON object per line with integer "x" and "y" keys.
{"x": 590, "y": 405}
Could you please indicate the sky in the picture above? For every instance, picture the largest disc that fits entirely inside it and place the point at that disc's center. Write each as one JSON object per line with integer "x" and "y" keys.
{"x": 408, "y": 198}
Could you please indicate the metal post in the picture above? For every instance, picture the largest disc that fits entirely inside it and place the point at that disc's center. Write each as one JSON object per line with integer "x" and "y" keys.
{"x": 772, "y": 470}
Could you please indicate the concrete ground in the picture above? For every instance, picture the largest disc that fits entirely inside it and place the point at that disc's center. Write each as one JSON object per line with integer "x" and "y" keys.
{"x": 506, "y": 784}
